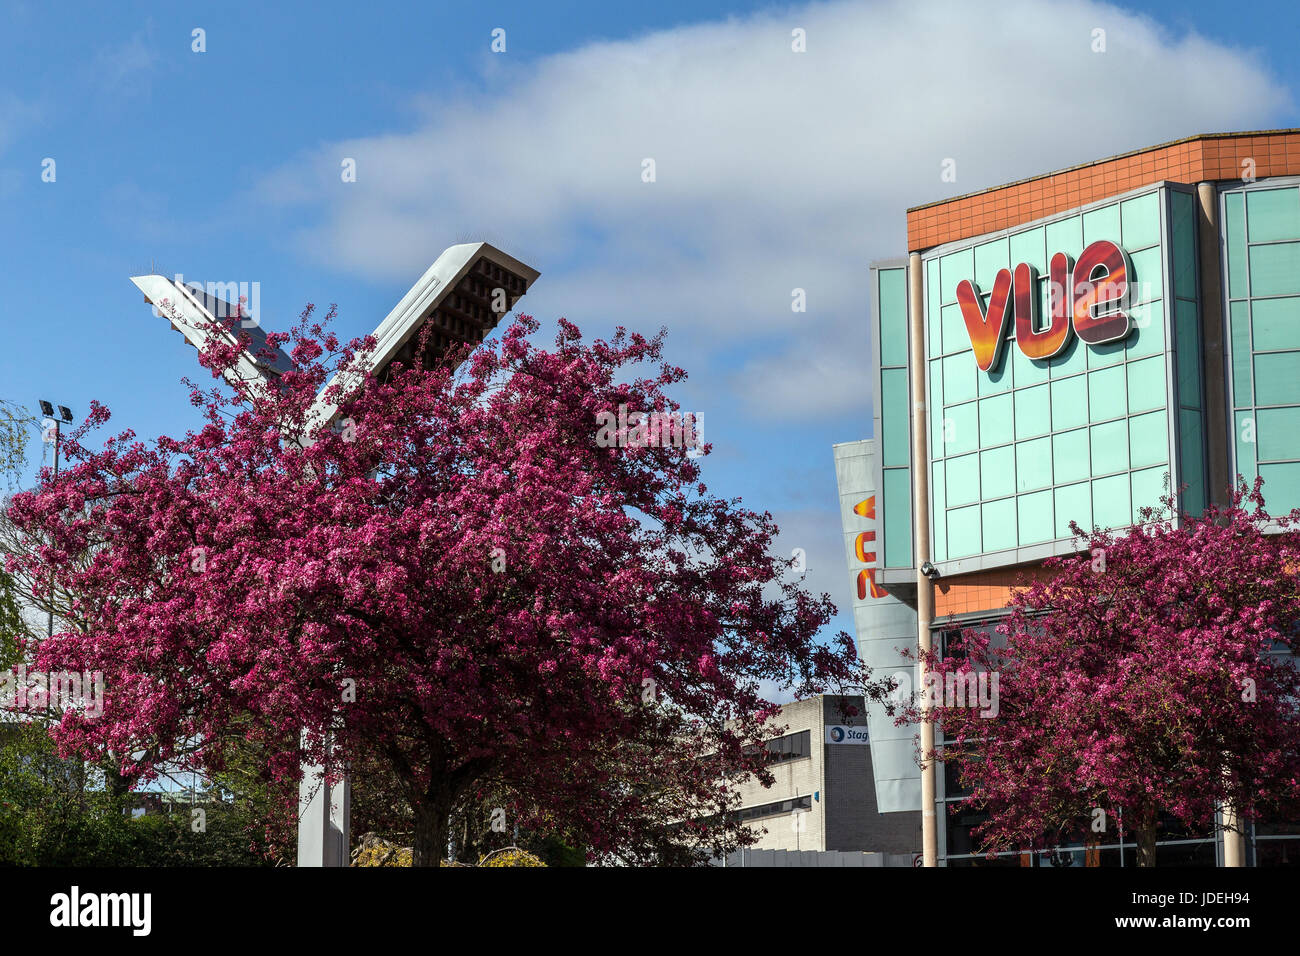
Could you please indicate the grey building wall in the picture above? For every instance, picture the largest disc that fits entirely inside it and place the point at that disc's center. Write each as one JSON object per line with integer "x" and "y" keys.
{"x": 843, "y": 814}
{"x": 853, "y": 817}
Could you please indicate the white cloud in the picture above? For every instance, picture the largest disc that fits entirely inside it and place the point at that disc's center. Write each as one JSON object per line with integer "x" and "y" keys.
{"x": 775, "y": 169}
{"x": 127, "y": 67}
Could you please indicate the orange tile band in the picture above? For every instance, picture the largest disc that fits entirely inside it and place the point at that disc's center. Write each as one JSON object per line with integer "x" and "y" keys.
{"x": 1196, "y": 159}
{"x": 981, "y": 591}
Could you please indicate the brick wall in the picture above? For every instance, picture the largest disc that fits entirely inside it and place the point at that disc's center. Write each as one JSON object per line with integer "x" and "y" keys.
{"x": 981, "y": 591}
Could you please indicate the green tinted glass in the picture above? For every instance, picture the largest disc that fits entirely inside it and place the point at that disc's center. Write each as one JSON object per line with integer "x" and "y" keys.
{"x": 1273, "y": 214}
{"x": 898, "y": 517}
{"x": 1073, "y": 503}
{"x": 1276, "y": 324}
{"x": 999, "y": 525}
{"x": 998, "y": 472}
{"x": 1111, "y": 502}
{"x": 1148, "y": 439}
{"x": 1242, "y": 392}
{"x": 1275, "y": 269}
{"x": 1033, "y": 464}
{"x": 1034, "y": 517}
{"x": 1278, "y": 431}
{"x": 893, "y": 316}
{"x": 1235, "y": 234}
{"x": 964, "y": 532}
{"x": 1070, "y": 455}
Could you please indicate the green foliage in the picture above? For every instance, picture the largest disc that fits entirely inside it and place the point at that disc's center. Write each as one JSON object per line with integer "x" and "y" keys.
{"x": 56, "y": 812}
{"x": 11, "y": 622}
{"x": 16, "y": 423}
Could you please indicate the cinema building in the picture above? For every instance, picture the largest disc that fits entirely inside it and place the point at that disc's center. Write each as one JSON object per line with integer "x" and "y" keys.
{"x": 1046, "y": 352}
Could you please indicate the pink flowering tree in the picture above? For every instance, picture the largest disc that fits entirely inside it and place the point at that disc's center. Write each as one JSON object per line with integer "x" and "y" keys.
{"x": 463, "y": 575}
{"x": 1148, "y": 673}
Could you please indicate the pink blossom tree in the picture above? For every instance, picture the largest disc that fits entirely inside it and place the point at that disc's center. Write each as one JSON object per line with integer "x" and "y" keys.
{"x": 1147, "y": 673}
{"x": 453, "y": 576}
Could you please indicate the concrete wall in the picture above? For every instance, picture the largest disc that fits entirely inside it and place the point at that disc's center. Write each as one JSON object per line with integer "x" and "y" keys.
{"x": 844, "y": 815}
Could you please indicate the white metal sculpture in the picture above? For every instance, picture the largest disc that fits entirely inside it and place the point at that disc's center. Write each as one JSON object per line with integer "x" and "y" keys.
{"x": 462, "y": 297}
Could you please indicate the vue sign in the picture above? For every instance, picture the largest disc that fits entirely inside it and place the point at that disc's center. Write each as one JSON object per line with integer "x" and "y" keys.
{"x": 1092, "y": 294}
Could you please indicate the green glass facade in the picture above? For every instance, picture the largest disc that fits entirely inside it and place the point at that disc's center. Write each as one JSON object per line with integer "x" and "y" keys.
{"x": 1092, "y": 435}
{"x": 1261, "y": 231}
{"x": 893, "y": 414}
{"x": 1021, "y": 451}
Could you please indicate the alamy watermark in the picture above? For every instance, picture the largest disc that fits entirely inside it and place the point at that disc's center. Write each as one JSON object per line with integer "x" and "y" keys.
{"x": 226, "y": 300}
{"x": 650, "y": 430}
{"x": 976, "y": 690}
{"x": 37, "y": 691}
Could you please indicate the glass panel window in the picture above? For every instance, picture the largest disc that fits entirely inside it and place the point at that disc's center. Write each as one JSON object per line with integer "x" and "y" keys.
{"x": 1102, "y": 223}
{"x": 1029, "y": 247}
{"x": 1141, "y": 221}
{"x": 989, "y": 259}
{"x": 1235, "y": 229}
{"x": 1070, "y": 455}
{"x": 963, "y": 483}
{"x": 893, "y": 316}
{"x": 1073, "y": 503}
{"x": 1276, "y": 324}
{"x": 999, "y": 519}
{"x": 1109, "y": 447}
{"x": 1106, "y": 397}
{"x": 1281, "y": 485}
{"x": 1247, "y": 440}
{"x": 964, "y": 532}
{"x": 1273, "y": 214}
{"x": 1243, "y": 394}
{"x": 1033, "y": 464}
{"x": 1148, "y": 439}
{"x": 1278, "y": 428}
{"x": 1148, "y": 335}
{"x": 1065, "y": 236}
{"x": 1189, "y": 353}
{"x": 1148, "y": 488}
{"x": 1069, "y": 402}
{"x": 898, "y": 517}
{"x": 894, "y": 407}
{"x": 961, "y": 429}
{"x": 932, "y": 309}
{"x": 1274, "y": 269}
{"x": 1148, "y": 267}
{"x": 1033, "y": 412}
{"x": 1111, "y": 507}
{"x": 1277, "y": 380}
{"x": 952, "y": 269}
{"x": 996, "y": 426}
{"x": 1034, "y": 517}
{"x": 959, "y": 378}
{"x": 997, "y": 472}
{"x": 1146, "y": 384}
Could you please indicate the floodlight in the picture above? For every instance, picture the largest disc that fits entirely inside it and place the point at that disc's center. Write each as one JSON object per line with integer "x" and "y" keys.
{"x": 47, "y": 409}
{"x": 461, "y": 297}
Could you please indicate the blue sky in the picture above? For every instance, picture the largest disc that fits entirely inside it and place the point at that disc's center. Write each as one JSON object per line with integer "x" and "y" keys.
{"x": 775, "y": 171}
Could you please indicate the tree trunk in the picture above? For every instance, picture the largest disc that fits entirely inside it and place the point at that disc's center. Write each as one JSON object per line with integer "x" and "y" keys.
{"x": 431, "y": 830}
{"x": 1146, "y": 841}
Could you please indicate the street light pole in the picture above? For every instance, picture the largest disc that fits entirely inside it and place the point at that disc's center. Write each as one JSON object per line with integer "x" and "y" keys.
{"x": 65, "y": 415}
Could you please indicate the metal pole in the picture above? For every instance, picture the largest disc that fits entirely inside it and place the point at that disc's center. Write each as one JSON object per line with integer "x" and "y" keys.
{"x": 921, "y": 522}
{"x": 49, "y": 629}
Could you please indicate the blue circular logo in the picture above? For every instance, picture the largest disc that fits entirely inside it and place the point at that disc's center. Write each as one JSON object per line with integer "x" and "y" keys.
{"x": 837, "y": 734}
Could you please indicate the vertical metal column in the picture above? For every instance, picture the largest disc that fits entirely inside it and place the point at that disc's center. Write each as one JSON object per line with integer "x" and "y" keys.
{"x": 921, "y": 536}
